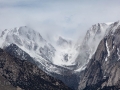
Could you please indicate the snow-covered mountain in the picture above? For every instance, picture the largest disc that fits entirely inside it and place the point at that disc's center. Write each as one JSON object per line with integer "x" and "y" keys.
{"x": 91, "y": 40}
{"x": 63, "y": 43}
{"x": 34, "y": 44}
{"x": 103, "y": 70}
{"x": 64, "y": 57}
{"x": 65, "y": 52}
{"x": 24, "y": 42}
{"x": 30, "y": 41}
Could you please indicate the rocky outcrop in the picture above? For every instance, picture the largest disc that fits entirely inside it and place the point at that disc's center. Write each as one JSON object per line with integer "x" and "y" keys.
{"x": 103, "y": 69}
{"x": 90, "y": 42}
{"x": 27, "y": 76}
{"x": 6, "y": 85}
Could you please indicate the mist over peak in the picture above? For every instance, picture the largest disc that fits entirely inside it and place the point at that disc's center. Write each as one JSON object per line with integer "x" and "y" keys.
{"x": 76, "y": 41}
{"x": 68, "y": 19}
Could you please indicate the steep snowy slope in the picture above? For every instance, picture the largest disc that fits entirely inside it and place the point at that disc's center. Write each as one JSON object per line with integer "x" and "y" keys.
{"x": 65, "y": 52}
{"x": 89, "y": 44}
{"x": 52, "y": 59}
{"x": 24, "y": 42}
{"x": 103, "y": 69}
{"x": 33, "y": 43}
{"x": 30, "y": 41}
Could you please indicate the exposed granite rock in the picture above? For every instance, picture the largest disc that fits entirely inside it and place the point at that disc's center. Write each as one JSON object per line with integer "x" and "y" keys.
{"x": 103, "y": 70}
{"x": 24, "y": 74}
{"x": 6, "y": 85}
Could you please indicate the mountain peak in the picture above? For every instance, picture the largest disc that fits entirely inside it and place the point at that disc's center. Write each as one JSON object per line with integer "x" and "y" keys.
{"x": 29, "y": 40}
{"x": 63, "y": 42}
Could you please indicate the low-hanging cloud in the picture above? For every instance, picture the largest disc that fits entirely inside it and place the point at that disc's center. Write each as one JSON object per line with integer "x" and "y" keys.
{"x": 51, "y": 18}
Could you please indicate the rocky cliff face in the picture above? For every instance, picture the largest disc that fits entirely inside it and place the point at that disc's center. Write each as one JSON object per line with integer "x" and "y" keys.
{"x": 27, "y": 76}
{"x": 90, "y": 42}
{"x": 103, "y": 69}
{"x": 5, "y": 84}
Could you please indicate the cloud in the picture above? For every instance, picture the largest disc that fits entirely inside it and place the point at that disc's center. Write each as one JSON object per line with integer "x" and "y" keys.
{"x": 68, "y": 18}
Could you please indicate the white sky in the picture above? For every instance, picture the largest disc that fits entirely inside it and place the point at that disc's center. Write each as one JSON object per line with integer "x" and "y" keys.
{"x": 69, "y": 18}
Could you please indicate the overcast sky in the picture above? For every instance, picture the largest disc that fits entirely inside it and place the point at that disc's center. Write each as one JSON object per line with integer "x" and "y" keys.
{"x": 69, "y": 18}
